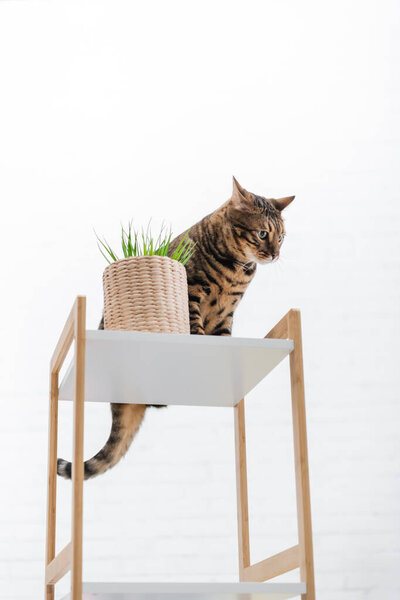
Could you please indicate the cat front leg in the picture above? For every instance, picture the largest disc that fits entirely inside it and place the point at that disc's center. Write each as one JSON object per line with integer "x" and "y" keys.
{"x": 223, "y": 326}
{"x": 196, "y": 319}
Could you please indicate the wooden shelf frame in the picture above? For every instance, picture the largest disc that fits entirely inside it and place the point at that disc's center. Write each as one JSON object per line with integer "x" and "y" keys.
{"x": 70, "y": 558}
{"x": 299, "y": 556}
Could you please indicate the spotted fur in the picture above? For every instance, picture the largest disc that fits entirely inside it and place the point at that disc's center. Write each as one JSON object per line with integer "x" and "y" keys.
{"x": 246, "y": 230}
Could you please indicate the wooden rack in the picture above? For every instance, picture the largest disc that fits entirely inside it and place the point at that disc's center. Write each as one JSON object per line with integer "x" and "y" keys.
{"x": 244, "y": 363}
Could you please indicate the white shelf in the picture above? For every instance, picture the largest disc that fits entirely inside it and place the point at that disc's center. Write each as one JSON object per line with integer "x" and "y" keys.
{"x": 154, "y": 368}
{"x": 191, "y": 591}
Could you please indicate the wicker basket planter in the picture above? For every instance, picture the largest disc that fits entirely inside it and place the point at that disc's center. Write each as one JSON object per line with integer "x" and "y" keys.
{"x": 146, "y": 293}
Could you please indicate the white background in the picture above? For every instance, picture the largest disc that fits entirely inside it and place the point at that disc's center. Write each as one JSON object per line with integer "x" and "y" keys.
{"x": 118, "y": 110}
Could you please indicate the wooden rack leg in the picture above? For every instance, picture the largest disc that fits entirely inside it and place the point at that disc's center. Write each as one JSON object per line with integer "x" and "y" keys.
{"x": 77, "y": 462}
{"x": 301, "y": 455}
{"x": 52, "y": 479}
{"x": 241, "y": 489}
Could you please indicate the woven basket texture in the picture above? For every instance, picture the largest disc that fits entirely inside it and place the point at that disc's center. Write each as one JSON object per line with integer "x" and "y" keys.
{"x": 146, "y": 293}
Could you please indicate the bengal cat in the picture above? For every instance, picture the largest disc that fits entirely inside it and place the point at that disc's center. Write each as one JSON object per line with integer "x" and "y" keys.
{"x": 246, "y": 230}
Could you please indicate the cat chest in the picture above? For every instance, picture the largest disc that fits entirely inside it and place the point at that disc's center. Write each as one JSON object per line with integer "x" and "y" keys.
{"x": 218, "y": 304}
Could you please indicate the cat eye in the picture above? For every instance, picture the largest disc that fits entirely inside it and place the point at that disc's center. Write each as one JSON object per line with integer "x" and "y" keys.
{"x": 280, "y": 239}
{"x": 262, "y": 234}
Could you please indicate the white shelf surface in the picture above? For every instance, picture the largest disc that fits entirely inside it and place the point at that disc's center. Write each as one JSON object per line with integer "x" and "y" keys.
{"x": 191, "y": 591}
{"x": 157, "y": 368}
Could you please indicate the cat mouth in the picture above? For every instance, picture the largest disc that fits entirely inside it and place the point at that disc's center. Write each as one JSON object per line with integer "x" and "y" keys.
{"x": 266, "y": 259}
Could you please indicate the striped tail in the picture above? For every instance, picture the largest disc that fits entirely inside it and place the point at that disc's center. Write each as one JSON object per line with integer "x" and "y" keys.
{"x": 126, "y": 420}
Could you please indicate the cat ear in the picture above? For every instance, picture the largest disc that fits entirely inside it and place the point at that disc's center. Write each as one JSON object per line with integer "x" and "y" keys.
{"x": 240, "y": 197}
{"x": 237, "y": 186}
{"x": 282, "y": 203}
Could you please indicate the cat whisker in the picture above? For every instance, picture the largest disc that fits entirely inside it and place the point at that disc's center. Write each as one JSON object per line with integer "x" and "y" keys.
{"x": 246, "y": 266}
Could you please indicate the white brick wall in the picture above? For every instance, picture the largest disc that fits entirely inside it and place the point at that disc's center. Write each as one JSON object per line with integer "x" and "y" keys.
{"x": 108, "y": 114}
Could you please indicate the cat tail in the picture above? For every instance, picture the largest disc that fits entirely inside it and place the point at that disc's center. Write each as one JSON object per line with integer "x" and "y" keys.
{"x": 126, "y": 420}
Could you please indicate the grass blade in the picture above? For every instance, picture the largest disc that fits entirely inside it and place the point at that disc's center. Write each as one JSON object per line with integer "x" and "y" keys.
{"x": 144, "y": 244}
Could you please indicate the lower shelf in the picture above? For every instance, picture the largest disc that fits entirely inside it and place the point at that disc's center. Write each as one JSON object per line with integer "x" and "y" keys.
{"x": 196, "y": 591}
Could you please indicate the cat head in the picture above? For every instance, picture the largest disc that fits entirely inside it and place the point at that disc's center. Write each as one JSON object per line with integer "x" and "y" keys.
{"x": 257, "y": 223}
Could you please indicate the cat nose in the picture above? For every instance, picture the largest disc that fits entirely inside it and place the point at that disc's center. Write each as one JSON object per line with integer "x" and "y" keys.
{"x": 274, "y": 256}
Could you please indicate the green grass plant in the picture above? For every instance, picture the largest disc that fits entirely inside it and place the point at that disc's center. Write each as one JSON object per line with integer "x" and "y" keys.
{"x": 134, "y": 243}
